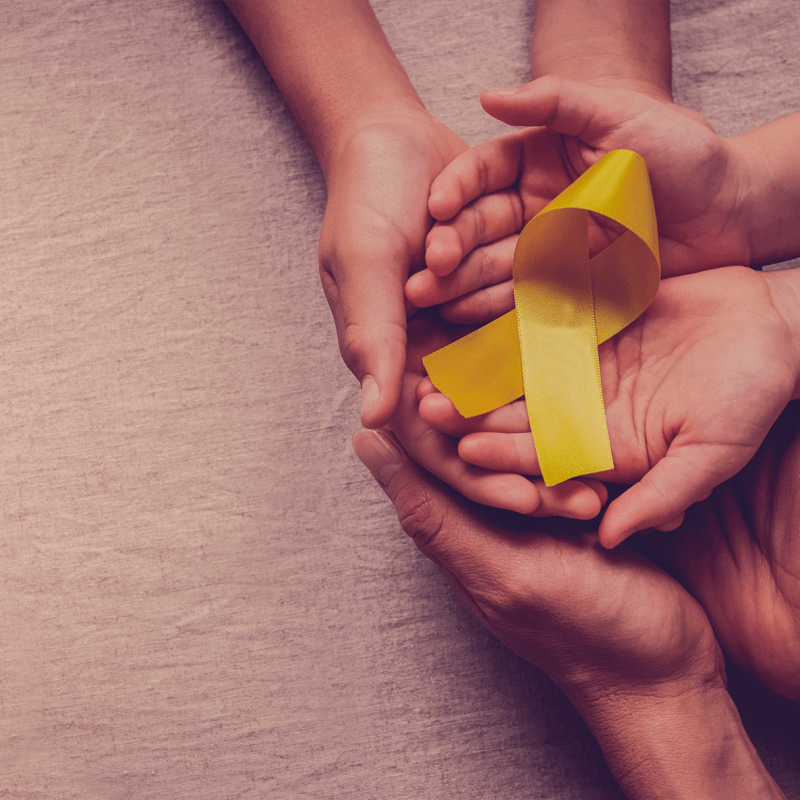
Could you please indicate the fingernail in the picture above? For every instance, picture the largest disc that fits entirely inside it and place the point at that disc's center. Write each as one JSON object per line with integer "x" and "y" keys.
{"x": 370, "y": 394}
{"x": 378, "y": 454}
{"x": 504, "y": 92}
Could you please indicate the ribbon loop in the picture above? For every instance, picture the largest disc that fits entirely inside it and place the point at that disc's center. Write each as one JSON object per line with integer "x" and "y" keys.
{"x": 566, "y": 304}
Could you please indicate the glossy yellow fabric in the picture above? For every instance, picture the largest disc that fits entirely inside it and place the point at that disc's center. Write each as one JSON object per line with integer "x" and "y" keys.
{"x": 566, "y": 304}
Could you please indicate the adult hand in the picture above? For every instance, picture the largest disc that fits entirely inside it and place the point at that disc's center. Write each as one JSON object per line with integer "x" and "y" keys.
{"x": 490, "y": 192}
{"x": 739, "y": 555}
{"x": 629, "y": 646}
{"x": 691, "y": 389}
{"x": 373, "y": 235}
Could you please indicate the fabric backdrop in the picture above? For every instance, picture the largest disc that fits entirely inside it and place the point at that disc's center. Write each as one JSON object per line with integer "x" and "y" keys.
{"x": 204, "y": 594}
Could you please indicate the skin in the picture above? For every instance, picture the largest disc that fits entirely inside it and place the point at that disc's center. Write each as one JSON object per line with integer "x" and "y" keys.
{"x": 379, "y": 150}
{"x": 437, "y": 452}
{"x": 630, "y": 647}
{"x": 718, "y": 201}
{"x": 690, "y": 388}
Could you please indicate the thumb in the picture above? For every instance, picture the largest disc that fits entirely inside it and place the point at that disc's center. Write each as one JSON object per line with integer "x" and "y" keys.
{"x": 369, "y": 309}
{"x": 662, "y": 495}
{"x": 587, "y": 112}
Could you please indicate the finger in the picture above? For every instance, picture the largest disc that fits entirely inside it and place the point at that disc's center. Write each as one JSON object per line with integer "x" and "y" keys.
{"x": 575, "y": 499}
{"x": 438, "y": 454}
{"x": 481, "y": 306}
{"x": 484, "y": 266}
{"x": 425, "y": 387}
{"x": 481, "y": 170}
{"x": 569, "y": 107}
{"x": 672, "y": 524}
{"x": 473, "y": 554}
{"x": 438, "y": 411}
{"x": 501, "y": 452}
{"x": 487, "y": 219}
{"x": 368, "y": 307}
{"x": 683, "y": 477}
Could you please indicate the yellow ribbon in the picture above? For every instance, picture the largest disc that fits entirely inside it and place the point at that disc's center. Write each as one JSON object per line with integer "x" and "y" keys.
{"x": 566, "y": 305}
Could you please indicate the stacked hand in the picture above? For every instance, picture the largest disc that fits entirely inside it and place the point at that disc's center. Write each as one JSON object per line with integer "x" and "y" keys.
{"x": 692, "y": 391}
{"x": 486, "y": 195}
{"x": 373, "y": 235}
{"x": 437, "y": 452}
{"x": 690, "y": 388}
{"x": 630, "y": 647}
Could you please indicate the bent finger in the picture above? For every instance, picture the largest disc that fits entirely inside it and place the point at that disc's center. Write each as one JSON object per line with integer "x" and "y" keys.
{"x": 501, "y": 452}
{"x": 481, "y": 170}
{"x": 487, "y": 219}
{"x": 484, "y": 266}
{"x": 483, "y": 305}
{"x": 438, "y": 411}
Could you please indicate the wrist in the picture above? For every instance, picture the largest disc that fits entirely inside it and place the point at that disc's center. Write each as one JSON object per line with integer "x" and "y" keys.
{"x": 784, "y": 287}
{"x": 337, "y": 138}
{"x": 679, "y": 742}
{"x": 332, "y": 63}
{"x": 619, "y": 43}
{"x": 601, "y": 69}
{"x": 769, "y": 167}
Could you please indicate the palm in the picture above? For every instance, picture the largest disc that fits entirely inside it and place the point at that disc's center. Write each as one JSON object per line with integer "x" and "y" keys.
{"x": 692, "y": 170}
{"x": 739, "y": 555}
{"x": 703, "y": 370}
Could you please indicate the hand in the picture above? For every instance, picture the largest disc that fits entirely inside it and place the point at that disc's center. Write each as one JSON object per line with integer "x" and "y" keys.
{"x": 690, "y": 389}
{"x": 438, "y": 453}
{"x": 373, "y": 234}
{"x": 739, "y": 554}
{"x": 629, "y": 646}
{"x": 697, "y": 178}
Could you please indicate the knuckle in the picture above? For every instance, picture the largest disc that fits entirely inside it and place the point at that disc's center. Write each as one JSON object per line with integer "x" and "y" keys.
{"x": 486, "y": 267}
{"x": 421, "y": 516}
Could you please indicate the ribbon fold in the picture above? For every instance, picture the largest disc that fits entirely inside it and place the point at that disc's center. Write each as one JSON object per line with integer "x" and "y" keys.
{"x": 566, "y": 304}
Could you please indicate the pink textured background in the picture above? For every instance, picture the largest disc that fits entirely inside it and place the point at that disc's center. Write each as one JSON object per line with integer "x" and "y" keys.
{"x": 202, "y": 592}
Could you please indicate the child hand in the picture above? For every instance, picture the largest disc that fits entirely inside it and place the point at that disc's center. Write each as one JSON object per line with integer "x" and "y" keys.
{"x": 489, "y": 192}
{"x": 691, "y": 389}
{"x": 438, "y": 454}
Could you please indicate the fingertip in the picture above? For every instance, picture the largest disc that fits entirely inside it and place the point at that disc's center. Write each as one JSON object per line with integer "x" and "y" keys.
{"x": 377, "y": 406}
{"x": 471, "y": 448}
{"x": 599, "y": 488}
{"x": 421, "y": 289}
{"x": 671, "y": 524}
{"x": 610, "y": 538}
{"x": 614, "y": 528}
{"x": 443, "y": 253}
{"x": 437, "y": 410}
{"x": 445, "y": 199}
{"x": 518, "y": 494}
{"x": 572, "y": 499}
{"x": 425, "y": 387}
{"x": 380, "y": 453}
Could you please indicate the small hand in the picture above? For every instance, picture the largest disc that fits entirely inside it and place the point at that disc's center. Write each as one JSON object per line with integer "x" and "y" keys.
{"x": 691, "y": 389}
{"x": 492, "y": 190}
{"x": 438, "y": 452}
{"x": 373, "y": 234}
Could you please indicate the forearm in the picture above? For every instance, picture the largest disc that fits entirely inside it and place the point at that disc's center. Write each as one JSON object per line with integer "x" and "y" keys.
{"x": 689, "y": 746}
{"x": 331, "y": 61}
{"x": 622, "y": 43}
{"x": 769, "y": 178}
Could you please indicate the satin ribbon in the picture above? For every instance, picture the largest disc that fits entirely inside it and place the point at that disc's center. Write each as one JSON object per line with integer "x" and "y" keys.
{"x": 566, "y": 305}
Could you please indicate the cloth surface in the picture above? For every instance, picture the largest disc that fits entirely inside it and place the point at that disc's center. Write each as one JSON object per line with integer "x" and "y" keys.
{"x": 204, "y": 594}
